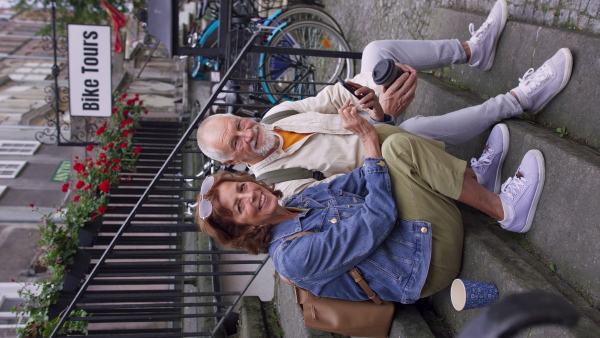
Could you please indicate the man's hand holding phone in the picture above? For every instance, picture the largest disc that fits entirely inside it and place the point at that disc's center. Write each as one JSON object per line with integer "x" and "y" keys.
{"x": 367, "y": 99}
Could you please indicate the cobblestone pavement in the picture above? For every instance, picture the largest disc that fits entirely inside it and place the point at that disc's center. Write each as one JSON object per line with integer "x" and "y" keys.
{"x": 366, "y": 20}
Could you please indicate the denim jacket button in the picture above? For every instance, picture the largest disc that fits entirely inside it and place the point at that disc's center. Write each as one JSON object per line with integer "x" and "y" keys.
{"x": 424, "y": 230}
{"x": 381, "y": 164}
{"x": 333, "y": 220}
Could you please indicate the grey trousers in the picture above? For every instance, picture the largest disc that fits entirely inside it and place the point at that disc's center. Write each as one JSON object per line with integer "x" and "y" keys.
{"x": 453, "y": 128}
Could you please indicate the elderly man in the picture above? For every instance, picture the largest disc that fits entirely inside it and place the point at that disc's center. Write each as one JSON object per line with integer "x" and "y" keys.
{"x": 315, "y": 139}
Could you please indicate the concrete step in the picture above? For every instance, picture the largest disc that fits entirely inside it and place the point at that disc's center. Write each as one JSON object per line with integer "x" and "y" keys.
{"x": 257, "y": 319}
{"x": 487, "y": 258}
{"x": 523, "y": 46}
{"x": 565, "y": 231}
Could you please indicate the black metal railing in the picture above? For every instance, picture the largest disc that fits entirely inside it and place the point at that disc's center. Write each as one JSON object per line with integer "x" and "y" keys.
{"x": 153, "y": 274}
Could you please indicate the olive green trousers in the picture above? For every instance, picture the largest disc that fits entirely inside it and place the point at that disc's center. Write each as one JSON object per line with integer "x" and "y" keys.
{"x": 426, "y": 180}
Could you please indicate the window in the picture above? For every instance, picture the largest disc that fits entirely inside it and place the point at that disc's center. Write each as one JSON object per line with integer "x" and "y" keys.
{"x": 11, "y": 169}
{"x": 9, "y": 297}
{"x": 18, "y": 147}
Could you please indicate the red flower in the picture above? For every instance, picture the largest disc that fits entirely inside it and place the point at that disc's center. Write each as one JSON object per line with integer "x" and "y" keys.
{"x": 80, "y": 184}
{"x": 101, "y": 209}
{"x": 125, "y": 113}
{"x": 146, "y": 111}
{"x": 110, "y": 145}
{"x": 100, "y": 131}
{"x": 89, "y": 148}
{"x": 123, "y": 145}
{"x": 93, "y": 214}
{"x": 116, "y": 160}
{"x": 116, "y": 168}
{"x": 65, "y": 187}
{"x": 105, "y": 148}
{"x": 79, "y": 167}
{"x": 127, "y": 132}
{"x": 137, "y": 96}
{"x": 123, "y": 96}
{"x": 76, "y": 199}
{"x": 31, "y": 205}
{"x": 126, "y": 122}
{"x": 87, "y": 187}
{"x": 137, "y": 150}
{"x": 130, "y": 102}
{"x": 114, "y": 110}
{"x": 141, "y": 102}
{"x": 105, "y": 186}
{"x": 103, "y": 156}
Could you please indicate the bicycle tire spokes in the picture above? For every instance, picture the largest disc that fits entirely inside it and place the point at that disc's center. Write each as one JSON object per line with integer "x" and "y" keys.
{"x": 304, "y": 35}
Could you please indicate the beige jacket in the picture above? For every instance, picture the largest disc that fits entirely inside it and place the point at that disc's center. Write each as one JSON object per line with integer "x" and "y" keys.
{"x": 331, "y": 149}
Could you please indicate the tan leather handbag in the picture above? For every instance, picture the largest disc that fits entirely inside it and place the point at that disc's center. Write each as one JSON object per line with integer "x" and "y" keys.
{"x": 369, "y": 318}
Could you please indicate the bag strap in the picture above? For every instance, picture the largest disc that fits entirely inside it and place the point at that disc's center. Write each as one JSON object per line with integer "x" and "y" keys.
{"x": 354, "y": 273}
{"x": 288, "y": 174}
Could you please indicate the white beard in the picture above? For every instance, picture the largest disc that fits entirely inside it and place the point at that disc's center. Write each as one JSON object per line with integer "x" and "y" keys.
{"x": 268, "y": 140}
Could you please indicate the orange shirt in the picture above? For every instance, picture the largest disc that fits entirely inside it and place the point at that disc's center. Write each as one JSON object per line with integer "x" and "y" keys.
{"x": 289, "y": 138}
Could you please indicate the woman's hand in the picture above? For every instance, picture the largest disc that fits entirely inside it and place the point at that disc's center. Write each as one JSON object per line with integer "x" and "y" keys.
{"x": 399, "y": 95}
{"x": 369, "y": 100}
{"x": 365, "y": 131}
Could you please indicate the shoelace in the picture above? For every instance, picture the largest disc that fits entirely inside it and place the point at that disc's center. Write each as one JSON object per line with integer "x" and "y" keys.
{"x": 512, "y": 186}
{"x": 476, "y": 35}
{"x": 484, "y": 160}
{"x": 532, "y": 79}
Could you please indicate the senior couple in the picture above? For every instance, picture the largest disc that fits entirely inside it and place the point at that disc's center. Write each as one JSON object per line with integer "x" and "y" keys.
{"x": 386, "y": 205}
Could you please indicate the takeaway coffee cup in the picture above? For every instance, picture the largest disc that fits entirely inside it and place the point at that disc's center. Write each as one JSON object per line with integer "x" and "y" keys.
{"x": 385, "y": 72}
{"x": 466, "y": 294}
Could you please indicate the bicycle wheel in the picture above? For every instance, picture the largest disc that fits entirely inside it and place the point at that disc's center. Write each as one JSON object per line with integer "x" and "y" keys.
{"x": 303, "y": 13}
{"x": 293, "y": 77}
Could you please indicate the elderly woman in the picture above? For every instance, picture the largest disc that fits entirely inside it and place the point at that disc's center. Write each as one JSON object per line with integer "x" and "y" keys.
{"x": 394, "y": 218}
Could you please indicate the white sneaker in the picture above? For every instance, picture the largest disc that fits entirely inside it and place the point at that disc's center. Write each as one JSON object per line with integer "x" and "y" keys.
{"x": 483, "y": 42}
{"x": 521, "y": 193}
{"x": 489, "y": 166}
{"x": 537, "y": 88}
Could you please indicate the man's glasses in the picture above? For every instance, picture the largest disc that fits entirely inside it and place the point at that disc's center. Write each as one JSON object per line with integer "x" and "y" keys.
{"x": 205, "y": 207}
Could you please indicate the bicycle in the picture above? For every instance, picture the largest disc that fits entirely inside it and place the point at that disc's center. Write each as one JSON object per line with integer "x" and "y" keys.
{"x": 276, "y": 72}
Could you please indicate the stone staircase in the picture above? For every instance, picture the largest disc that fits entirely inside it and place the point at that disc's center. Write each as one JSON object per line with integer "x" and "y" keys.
{"x": 561, "y": 252}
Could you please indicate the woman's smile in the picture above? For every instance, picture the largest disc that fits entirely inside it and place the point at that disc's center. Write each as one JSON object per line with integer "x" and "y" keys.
{"x": 263, "y": 200}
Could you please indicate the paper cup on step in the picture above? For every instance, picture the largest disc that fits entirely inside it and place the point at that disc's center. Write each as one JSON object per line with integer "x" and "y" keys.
{"x": 466, "y": 294}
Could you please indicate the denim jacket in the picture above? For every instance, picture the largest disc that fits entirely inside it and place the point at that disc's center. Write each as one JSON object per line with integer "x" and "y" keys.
{"x": 355, "y": 224}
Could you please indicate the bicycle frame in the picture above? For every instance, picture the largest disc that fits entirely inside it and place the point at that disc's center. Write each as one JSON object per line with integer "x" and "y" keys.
{"x": 210, "y": 29}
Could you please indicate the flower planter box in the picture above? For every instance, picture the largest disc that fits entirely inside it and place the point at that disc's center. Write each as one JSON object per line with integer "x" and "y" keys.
{"x": 63, "y": 302}
{"x": 88, "y": 233}
{"x": 76, "y": 272}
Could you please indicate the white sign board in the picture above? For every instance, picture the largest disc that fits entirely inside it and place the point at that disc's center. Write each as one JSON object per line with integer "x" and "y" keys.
{"x": 90, "y": 70}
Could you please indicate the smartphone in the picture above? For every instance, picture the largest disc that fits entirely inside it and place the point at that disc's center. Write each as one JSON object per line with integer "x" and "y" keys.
{"x": 348, "y": 87}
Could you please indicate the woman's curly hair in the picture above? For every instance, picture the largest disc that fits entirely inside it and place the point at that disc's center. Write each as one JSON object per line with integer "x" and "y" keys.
{"x": 220, "y": 224}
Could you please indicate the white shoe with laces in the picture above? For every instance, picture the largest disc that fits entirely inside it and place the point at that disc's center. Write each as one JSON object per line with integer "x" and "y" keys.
{"x": 483, "y": 42}
{"x": 538, "y": 87}
{"x": 521, "y": 193}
